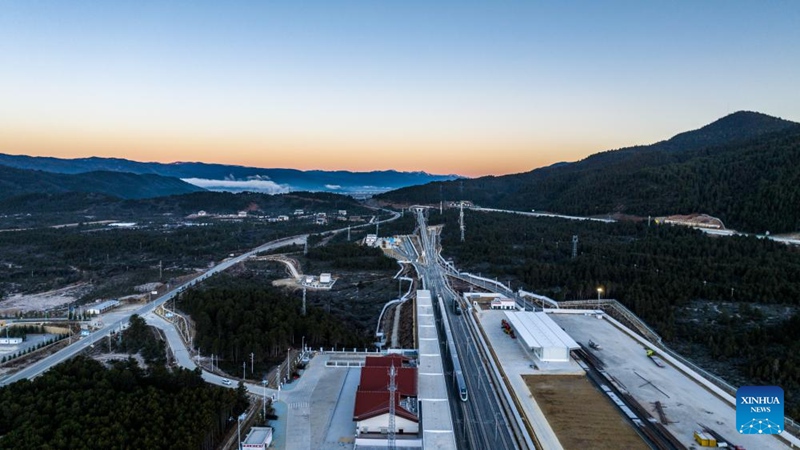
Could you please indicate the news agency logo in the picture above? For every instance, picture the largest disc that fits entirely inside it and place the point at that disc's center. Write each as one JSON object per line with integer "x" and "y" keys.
{"x": 759, "y": 410}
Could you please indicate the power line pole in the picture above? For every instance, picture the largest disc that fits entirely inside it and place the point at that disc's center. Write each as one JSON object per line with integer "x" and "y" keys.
{"x": 574, "y": 246}
{"x": 461, "y": 219}
{"x": 252, "y": 363}
{"x": 392, "y": 407}
{"x": 304, "y": 301}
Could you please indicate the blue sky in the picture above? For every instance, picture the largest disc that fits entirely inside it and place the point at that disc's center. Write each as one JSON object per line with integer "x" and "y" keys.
{"x": 452, "y": 87}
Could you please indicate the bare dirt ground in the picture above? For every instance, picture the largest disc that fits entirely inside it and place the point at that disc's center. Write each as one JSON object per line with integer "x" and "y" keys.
{"x": 43, "y": 300}
{"x": 108, "y": 357}
{"x": 694, "y": 220}
{"x": 580, "y": 415}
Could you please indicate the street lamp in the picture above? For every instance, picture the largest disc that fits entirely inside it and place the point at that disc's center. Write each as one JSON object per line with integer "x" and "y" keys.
{"x": 264, "y": 402}
{"x": 599, "y": 291}
{"x": 239, "y": 428}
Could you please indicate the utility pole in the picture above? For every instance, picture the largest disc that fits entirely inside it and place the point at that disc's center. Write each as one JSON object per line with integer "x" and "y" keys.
{"x": 252, "y": 363}
{"x": 264, "y": 401}
{"x": 244, "y": 370}
{"x": 304, "y": 301}
{"x": 160, "y": 270}
{"x": 288, "y": 364}
{"x": 392, "y": 407}
{"x": 348, "y": 233}
{"x": 461, "y": 219}
{"x": 574, "y": 246}
{"x": 377, "y": 228}
{"x": 305, "y": 247}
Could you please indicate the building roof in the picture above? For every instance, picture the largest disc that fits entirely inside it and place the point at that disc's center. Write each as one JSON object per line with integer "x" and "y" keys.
{"x": 538, "y": 330}
{"x": 503, "y": 301}
{"x": 375, "y": 403}
{"x": 377, "y": 379}
{"x": 104, "y": 305}
{"x": 437, "y": 422}
{"x": 258, "y": 435}
{"x": 387, "y": 361}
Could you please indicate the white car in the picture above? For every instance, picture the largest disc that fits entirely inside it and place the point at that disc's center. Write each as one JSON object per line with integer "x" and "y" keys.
{"x": 226, "y": 382}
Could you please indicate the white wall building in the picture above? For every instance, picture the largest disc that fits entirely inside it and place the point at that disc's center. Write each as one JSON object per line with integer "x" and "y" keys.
{"x": 496, "y": 301}
{"x": 503, "y": 303}
{"x": 380, "y": 423}
{"x": 541, "y": 336}
{"x": 100, "y": 308}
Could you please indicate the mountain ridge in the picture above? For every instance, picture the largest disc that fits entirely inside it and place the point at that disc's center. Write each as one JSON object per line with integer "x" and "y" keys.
{"x": 16, "y": 182}
{"x": 234, "y": 177}
{"x": 731, "y": 168}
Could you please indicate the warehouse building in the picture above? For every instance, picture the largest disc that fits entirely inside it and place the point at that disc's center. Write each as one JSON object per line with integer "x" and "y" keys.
{"x": 100, "y": 308}
{"x": 541, "y": 336}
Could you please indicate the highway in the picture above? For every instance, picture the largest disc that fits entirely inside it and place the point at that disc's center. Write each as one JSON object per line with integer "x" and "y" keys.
{"x": 709, "y": 231}
{"x": 481, "y": 421}
{"x": 83, "y": 343}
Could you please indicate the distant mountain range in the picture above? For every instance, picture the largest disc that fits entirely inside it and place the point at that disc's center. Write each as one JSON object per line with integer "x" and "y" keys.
{"x": 17, "y": 182}
{"x": 220, "y": 177}
{"x": 743, "y": 168}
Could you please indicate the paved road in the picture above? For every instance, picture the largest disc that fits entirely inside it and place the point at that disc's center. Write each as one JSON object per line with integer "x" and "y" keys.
{"x": 43, "y": 365}
{"x": 480, "y": 421}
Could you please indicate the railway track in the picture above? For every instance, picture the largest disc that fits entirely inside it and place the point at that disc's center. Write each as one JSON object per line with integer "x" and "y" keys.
{"x": 651, "y": 431}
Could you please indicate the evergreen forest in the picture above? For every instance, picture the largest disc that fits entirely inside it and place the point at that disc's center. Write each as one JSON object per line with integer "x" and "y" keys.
{"x": 80, "y": 404}
{"x": 659, "y": 272}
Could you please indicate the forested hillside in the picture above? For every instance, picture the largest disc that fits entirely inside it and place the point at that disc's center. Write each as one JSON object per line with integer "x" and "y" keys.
{"x": 664, "y": 274}
{"x": 79, "y": 404}
{"x": 237, "y": 316}
{"x": 744, "y": 169}
{"x": 43, "y": 208}
{"x": 15, "y": 182}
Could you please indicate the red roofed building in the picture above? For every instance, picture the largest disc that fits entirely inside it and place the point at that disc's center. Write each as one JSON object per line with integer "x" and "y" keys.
{"x": 377, "y": 379}
{"x": 387, "y": 361}
{"x": 371, "y": 412}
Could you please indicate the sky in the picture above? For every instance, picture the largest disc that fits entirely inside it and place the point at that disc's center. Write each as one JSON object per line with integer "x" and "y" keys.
{"x": 470, "y": 88}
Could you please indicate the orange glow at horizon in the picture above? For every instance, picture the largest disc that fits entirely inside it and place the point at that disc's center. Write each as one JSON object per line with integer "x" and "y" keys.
{"x": 438, "y": 156}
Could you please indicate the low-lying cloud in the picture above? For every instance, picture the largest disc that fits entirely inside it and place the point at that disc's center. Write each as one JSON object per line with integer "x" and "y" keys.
{"x": 254, "y": 184}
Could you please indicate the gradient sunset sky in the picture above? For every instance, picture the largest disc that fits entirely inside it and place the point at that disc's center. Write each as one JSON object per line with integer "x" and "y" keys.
{"x": 463, "y": 87}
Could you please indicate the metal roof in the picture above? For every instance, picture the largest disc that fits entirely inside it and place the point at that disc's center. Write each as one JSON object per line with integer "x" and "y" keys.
{"x": 377, "y": 379}
{"x": 376, "y": 403}
{"x": 538, "y": 330}
{"x": 258, "y": 435}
